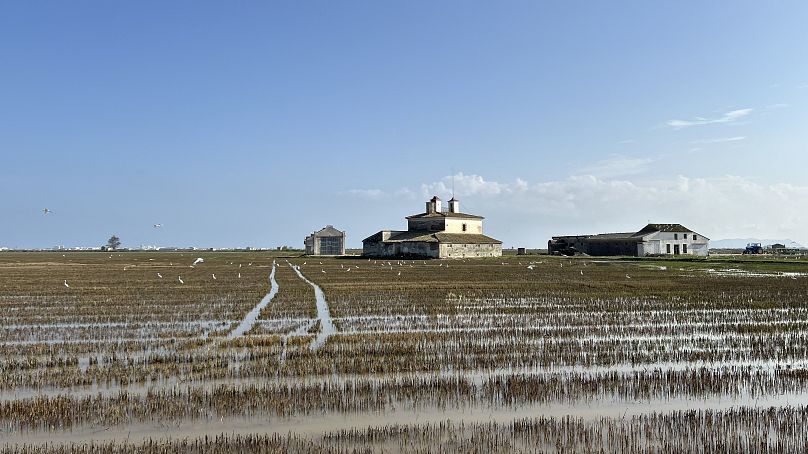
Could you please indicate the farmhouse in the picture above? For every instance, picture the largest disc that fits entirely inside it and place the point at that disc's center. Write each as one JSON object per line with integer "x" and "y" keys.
{"x": 437, "y": 234}
{"x": 653, "y": 239}
{"x": 326, "y": 241}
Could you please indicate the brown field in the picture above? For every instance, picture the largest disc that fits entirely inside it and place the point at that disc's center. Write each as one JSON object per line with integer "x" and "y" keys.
{"x": 486, "y": 355}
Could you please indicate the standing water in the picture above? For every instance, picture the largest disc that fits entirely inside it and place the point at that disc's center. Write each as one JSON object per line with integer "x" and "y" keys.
{"x": 327, "y": 327}
{"x": 252, "y": 316}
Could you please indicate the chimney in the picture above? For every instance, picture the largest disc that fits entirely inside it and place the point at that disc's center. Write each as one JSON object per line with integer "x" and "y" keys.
{"x": 433, "y": 206}
{"x": 454, "y": 205}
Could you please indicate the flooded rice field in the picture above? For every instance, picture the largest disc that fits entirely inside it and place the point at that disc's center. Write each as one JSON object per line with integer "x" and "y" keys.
{"x": 148, "y": 352}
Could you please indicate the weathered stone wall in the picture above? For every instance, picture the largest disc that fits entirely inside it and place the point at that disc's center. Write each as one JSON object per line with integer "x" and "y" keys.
{"x": 419, "y": 248}
{"x": 470, "y": 250}
{"x": 431, "y": 225}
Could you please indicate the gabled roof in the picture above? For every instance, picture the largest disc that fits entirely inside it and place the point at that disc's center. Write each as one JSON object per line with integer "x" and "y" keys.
{"x": 465, "y": 238}
{"x": 635, "y": 236}
{"x": 328, "y": 230}
{"x": 651, "y": 228}
{"x": 612, "y": 236}
{"x": 420, "y": 236}
{"x": 446, "y": 214}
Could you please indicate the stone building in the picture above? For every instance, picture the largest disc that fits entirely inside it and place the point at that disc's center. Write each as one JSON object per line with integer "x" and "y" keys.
{"x": 653, "y": 239}
{"x": 327, "y": 241}
{"x": 435, "y": 234}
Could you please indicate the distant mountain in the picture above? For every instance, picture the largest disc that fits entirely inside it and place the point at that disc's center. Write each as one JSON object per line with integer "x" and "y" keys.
{"x": 740, "y": 243}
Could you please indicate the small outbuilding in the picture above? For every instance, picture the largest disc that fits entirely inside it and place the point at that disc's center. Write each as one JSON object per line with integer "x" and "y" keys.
{"x": 326, "y": 241}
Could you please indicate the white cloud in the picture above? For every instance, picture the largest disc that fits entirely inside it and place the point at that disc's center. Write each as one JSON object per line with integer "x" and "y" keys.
{"x": 617, "y": 166}
{"x": 522, "y": 213}
{"x": 729, "y": 117}
{"x": 471, "y": 185}
{"x": 720, "y": 140}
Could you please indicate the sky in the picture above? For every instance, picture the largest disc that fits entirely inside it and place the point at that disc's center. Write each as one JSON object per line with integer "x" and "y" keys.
{"x": 255, "y": 123}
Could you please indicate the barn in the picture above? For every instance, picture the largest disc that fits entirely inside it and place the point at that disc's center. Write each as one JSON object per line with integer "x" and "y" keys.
{"x": 653, "y": 239}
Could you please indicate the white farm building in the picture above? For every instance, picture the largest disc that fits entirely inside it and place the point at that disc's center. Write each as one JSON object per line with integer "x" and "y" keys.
{"x": 653, "y": 239}
{"x": 326, "y": 241}
{"x": 436, "y": 234}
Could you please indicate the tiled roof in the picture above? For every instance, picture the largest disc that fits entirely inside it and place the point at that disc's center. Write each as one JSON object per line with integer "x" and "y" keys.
{"x": 328, "y": 230}
{"x": 651, "y": 228}
{"x": 436, "y": 237}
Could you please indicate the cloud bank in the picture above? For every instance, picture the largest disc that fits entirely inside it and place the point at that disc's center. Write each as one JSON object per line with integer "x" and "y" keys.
{"x": 524, "y": 213}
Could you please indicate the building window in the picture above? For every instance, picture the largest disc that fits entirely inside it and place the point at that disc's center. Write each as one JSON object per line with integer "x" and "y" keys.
{"x": 330, "y": 245}
{"x": 464, "y": 227}
{"x": 695, "y": 238}
{"x": 675, "y": 236}
{"x": 684, "y": 236}
{"x": 684, "y": 249}
{"x": 668, "y": 246}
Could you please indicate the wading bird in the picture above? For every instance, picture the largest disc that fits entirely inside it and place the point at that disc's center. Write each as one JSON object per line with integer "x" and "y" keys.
{"x": 66, "y": 284}
{"x": 159, "y": 275}
{"x": 179, "y": 278}
{"x": 198, "y": 261}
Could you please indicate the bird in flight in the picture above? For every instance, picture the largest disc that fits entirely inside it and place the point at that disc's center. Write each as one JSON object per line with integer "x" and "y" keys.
{"x": 157, "y": 226}
{"x": 46, "y": 211}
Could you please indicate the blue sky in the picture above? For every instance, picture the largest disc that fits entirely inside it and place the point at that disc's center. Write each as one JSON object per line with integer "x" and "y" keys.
{"x": 254, "y": 123}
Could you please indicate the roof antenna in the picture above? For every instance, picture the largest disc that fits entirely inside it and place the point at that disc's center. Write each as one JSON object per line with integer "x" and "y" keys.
{"x": 453, "y": 183}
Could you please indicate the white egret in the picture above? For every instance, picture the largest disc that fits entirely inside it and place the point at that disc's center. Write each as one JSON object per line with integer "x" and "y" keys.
{"x": 198, "y": 261}
{"x": 159, "y": 275}
{"x": 66, "y": 284}
{"x": 214, "y": 276}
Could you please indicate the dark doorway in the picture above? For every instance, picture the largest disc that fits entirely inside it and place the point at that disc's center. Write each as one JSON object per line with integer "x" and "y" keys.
{"x": 675, "y": 249}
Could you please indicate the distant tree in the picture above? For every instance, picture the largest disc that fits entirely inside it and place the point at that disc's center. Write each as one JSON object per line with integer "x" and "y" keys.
{"x": 113, "y": 242}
